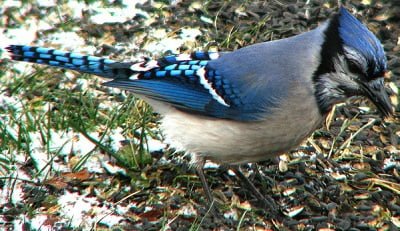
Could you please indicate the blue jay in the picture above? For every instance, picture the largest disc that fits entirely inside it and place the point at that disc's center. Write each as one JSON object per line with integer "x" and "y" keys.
{"x": 250, "y": 104}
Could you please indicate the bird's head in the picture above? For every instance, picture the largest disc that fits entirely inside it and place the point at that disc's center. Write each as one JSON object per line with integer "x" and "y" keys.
{"x": 353, "y": 63}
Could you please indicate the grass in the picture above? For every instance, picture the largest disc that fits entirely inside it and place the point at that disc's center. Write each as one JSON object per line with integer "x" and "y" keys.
{"x": 44, "y": 106}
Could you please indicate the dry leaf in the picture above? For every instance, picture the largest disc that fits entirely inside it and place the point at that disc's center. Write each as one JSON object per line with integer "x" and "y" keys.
{"x": 57, "y": 182}
{"x": 152, "y": 215}
{"x": 80, "y": 176}
{"x": 362, "y": 166}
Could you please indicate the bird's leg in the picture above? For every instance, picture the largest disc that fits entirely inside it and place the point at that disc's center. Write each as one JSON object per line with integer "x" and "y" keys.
{"x": 200, "y": 173}
{"x": 199, "y": 165}
{"x": 268, "y": 202}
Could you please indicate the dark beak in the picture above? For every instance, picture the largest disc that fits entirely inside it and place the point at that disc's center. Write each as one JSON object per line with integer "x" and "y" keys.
{"x": 376, "y": 92}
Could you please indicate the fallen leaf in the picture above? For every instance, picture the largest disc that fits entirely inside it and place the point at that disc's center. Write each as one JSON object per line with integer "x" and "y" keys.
{"x": 80, "y": 176}
{"x": 56, "y": 182}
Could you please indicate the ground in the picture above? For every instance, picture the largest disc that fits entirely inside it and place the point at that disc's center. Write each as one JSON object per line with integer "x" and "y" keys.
{"x": 78, "y": 156}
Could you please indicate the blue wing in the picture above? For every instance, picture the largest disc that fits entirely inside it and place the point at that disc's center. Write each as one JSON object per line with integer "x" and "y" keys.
{"x": 242, "y": 85}
{"x": 195, "y": 84}
{"x": 175, "y": 80}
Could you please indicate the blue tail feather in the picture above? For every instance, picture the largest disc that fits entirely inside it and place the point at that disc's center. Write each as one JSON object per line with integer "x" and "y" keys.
{"x": 73, "y": 61}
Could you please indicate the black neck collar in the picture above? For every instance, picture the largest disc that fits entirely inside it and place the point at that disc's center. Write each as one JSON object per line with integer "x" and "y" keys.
{"x": 331, "y": 48}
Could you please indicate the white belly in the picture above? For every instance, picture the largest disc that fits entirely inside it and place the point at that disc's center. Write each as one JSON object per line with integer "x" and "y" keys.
{"x": 234, "y": 142}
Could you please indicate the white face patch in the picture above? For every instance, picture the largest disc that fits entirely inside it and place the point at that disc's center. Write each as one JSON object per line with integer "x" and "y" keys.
{"x": 202, "y": 75}
{"x": 331, "y": 82}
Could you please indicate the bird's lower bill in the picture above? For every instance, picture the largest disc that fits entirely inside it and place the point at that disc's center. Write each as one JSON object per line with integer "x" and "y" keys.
{"x": 376, "y": 92}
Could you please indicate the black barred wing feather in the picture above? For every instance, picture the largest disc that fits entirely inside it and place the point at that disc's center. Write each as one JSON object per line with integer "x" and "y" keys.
{"x": 187, "y": 82}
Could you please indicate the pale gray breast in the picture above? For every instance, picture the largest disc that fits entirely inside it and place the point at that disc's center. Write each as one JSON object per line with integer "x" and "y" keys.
{"x": 241, "y": 142}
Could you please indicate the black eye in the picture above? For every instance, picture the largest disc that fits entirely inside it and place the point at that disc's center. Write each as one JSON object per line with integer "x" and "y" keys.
{"x": 355, "y": 68}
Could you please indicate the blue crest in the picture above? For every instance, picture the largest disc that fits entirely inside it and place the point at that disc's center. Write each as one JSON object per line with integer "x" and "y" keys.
{"x": 357, "y": 36}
